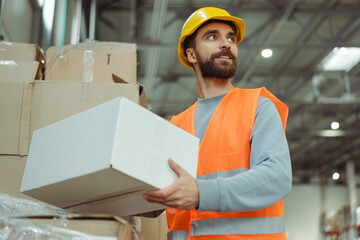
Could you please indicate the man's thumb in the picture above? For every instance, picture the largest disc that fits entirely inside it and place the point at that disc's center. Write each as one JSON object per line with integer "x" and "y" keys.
{"x": 176, "y": 167}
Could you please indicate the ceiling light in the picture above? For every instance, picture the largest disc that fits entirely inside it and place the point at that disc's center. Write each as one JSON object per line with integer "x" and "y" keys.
{"x": 335, "y": 125}
{"x": 336, "y": 176}
{"x": 266, "y": 53}
{"x": 341, "y": 59}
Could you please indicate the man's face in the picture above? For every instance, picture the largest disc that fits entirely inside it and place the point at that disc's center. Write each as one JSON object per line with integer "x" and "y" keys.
{"x": 216, "y": 50}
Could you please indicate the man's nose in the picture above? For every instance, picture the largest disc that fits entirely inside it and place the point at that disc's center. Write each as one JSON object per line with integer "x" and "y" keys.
{"x": 225, "y": 43}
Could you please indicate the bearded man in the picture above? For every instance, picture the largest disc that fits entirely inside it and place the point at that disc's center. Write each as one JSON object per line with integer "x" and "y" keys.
{"x": 244, "y": 169}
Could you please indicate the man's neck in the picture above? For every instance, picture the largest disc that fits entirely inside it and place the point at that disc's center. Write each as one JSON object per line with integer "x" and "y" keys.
{"x": 211, "y": 87}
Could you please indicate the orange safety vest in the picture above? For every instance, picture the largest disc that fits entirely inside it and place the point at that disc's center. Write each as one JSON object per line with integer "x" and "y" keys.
{"x": 225, "y": 148}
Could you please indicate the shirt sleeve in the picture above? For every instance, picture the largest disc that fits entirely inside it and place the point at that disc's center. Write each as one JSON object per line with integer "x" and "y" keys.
{"x": 269, "y": 178}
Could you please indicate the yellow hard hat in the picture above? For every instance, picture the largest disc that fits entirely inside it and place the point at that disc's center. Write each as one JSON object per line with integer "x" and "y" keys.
{"x": 201, "y": 16}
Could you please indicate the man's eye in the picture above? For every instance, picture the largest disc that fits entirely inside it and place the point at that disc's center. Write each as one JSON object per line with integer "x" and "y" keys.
{"x": 211, "y": 37}
{"x": 231, "y": 39}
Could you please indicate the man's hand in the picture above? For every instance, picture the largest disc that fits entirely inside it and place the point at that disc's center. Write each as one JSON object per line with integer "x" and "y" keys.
{"x": 182, "y": 194}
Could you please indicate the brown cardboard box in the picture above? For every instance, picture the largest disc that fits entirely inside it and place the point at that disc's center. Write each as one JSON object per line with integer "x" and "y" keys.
{"x": 20, "y": 51}
{"x": 53, "y": 101}
{"x": 18, "y": 71}
{"x": 16, "y": 82}
{"x": 91, "y": 62}
{"x": 154, "y": 228}
{"x": 11, "y": 172}
{"x": 330, "y": 222}
{"x": 97, "y": 225}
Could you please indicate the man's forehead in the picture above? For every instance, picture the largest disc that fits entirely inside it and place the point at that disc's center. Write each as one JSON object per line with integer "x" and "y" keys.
{"x": 215, "y": 26}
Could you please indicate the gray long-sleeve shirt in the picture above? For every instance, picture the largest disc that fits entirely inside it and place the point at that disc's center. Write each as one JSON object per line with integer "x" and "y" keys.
{"x": 269, "y": 178}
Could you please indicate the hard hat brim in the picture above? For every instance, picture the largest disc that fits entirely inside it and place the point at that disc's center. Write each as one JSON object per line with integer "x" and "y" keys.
{"x": 240, "y": 31}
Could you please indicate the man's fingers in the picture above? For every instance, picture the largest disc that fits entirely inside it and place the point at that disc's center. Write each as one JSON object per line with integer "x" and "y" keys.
{"x": 162, "y": 193}
{"x": 162, "y": 199}
{"x": 170, "y": 202}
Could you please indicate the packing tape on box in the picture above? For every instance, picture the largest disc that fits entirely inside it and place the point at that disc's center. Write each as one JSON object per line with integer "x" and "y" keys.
{"x": 4, "y": 43}
{"x": 9, "y": 63}
{"x": 88, "y": 61}
{"x": 59, "y": 54}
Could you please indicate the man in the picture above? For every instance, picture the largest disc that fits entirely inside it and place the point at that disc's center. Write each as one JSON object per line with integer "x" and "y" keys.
{"x": 244, "y": 169}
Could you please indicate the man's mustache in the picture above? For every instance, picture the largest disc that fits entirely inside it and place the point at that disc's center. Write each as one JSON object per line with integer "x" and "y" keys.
{"x": 223, "y": 52}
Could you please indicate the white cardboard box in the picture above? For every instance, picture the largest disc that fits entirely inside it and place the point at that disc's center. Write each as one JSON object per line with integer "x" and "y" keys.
{"x": 102, "y": 160}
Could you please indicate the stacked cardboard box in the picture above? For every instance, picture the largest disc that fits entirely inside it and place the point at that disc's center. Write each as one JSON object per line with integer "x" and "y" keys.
{"x": 20, "y": 65}
{"x": 79, "y": 77}
{"x": 76, "y": 78}
{"x": 341, "y": 224}
{"x": 330, "y": 224}
{"x": 27, "y": 105}
{"x": 92, "y": 62}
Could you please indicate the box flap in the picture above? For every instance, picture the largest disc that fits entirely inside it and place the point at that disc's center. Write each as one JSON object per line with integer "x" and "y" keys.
{"x": 142, "y": 96}
{"x": 118, "y": 79}
{"x": 20, "y": 51}
{"x": 18, "y": 71}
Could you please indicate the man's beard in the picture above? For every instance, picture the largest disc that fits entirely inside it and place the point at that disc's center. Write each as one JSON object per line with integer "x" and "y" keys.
{"x": 211, "y": 69}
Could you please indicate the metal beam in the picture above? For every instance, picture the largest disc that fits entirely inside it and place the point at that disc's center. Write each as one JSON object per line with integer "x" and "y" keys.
{"x": 346, "y": 33}
{"x": 152, "y": 58}
{"x": 256, "y": 45}
{"x": 304, "y": 35}
{"x": 267, "y": 42}
{"x": 352, "y": 9}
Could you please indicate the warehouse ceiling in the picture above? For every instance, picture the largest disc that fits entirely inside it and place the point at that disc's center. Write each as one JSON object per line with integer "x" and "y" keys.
{"x": 301, "y": 33}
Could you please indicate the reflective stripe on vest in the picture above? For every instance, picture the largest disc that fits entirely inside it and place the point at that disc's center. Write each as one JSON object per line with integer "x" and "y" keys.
{"x": 224, "y": 226}
{"x": 177, "y": 235}
{"x": 222, "y": 174}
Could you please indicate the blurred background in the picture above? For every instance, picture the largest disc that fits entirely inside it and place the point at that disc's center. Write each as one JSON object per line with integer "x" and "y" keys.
{"x": 306, "y": 52}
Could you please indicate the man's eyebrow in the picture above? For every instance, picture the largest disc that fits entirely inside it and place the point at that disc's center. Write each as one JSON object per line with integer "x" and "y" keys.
{"x": 232, "y": 34}
{"x": 212, "y": 31}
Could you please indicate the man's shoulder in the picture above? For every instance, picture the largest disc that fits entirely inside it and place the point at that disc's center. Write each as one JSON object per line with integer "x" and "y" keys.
{"x": 184, "y": 114}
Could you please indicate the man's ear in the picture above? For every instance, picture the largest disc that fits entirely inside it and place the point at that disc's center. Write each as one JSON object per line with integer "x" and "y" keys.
{"x": 190, "y": 53}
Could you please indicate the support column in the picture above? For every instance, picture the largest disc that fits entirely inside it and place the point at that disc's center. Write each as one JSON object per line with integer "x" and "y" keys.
{"x": 1, "y": 18}
{"x": 60, "y": 22}
{"x": 353, "y": 201}
{"x": 76, "y": 22}
{"x": 92, "y": 20}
